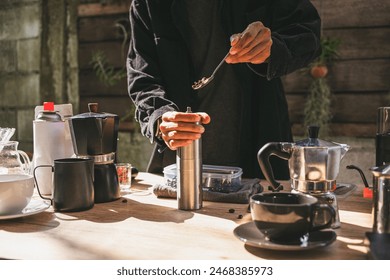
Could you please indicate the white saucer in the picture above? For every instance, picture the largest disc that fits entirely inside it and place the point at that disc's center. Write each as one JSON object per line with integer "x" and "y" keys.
{"x": 34, "y": 207}
{"x": 249, "y": 234}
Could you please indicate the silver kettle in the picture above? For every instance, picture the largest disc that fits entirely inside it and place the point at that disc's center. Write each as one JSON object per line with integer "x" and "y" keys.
{"x": 313, "y": 163}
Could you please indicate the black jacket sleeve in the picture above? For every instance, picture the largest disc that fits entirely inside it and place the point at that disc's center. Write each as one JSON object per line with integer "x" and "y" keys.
{"x": 295, "y": 29}
{"x": 145, "y": 84}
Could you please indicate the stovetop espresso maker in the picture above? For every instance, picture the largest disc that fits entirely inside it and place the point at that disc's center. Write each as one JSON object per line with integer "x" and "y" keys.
{"x": 313, "y": 165}
{"x": 94, "y": 135}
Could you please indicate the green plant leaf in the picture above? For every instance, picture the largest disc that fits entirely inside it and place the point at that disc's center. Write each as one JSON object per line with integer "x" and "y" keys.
{"x": 106, "y": 73}
{"x": 329, "y": 50}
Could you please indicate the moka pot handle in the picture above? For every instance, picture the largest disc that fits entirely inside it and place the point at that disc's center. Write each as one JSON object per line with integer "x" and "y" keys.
{"x": 272, "y": 148}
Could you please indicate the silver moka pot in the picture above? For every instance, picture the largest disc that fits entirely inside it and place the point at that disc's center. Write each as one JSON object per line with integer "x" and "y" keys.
{"x": 94, "y": 135}
{"x": 313, "y": 163}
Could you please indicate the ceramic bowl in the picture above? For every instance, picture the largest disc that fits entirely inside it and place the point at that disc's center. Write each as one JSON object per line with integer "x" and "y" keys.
{"x": 16, "y": 191}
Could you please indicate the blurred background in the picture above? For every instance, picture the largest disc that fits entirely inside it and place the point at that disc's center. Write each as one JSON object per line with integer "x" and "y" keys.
{"x": 74, "y": 52}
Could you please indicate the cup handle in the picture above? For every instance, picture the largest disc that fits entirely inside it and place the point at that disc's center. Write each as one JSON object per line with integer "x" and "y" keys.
{"x": 329, "y": 209}
{"x": 26, "y": 161}
{"x": 36, "y": 182}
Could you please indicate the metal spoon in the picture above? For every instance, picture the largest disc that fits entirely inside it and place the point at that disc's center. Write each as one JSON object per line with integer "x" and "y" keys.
{"x": 204, "y": 81}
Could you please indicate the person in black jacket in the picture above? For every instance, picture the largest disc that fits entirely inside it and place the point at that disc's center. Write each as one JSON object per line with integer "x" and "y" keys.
{"x": 175, "y": 43}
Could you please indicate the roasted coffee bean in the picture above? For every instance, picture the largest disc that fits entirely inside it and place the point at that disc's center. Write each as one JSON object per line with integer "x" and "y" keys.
{"x": 231, "y": 210}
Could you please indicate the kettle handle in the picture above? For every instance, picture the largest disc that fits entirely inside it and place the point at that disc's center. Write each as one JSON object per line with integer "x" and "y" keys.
{"x": 272, "y": 148}
{"x": 36, "y": 181}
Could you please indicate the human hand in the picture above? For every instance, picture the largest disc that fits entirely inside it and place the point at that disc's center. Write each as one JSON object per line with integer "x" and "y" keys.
{"x": 253, "y": 45}
{"x": 180, "y": 129}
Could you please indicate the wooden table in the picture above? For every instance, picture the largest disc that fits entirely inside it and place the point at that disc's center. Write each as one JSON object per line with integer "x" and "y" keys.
{"x": 142, "y": 226}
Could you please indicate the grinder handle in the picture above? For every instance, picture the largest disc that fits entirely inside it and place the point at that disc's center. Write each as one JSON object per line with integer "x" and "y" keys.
{"x": 272, "y": 148}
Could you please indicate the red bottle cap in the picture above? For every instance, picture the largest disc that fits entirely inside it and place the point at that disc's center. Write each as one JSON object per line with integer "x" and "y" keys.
{"x": 48, "y": 106}
{"x": 367, "y": 193}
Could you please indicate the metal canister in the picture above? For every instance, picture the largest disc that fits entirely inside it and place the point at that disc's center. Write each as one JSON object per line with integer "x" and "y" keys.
{"x": 189, "y": 175}
{"x": 381, "y": 199}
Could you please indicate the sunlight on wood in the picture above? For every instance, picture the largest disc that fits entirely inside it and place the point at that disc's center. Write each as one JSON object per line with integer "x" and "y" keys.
{"x": 349, "y": 240}
{"x": 362, "y": 249}
{"x": 350, "y": 218}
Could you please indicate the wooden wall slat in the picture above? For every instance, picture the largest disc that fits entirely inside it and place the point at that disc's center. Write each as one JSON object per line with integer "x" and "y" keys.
{"x": 356, "y": 43}
{"x": 96, "y": 9}
{"x": 353, "y": 75}
{"x": 353, "y": 13}
{"x": 96, "y": 29}
{"x": 114, "y": 52}
{"x": 91, "y": 86}
{"x": 361, "y": 108}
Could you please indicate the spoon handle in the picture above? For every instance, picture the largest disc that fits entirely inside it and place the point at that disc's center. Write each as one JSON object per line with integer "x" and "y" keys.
{"x": 219, "y": 65}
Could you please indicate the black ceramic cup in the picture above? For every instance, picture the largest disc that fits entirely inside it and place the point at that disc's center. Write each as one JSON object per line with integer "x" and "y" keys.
{"x": 73, "y": 188}
{"x": 282, "y": 216}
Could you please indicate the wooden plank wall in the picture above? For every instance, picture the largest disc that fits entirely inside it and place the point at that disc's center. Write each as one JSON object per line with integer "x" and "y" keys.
{"x": 359, "y": 79}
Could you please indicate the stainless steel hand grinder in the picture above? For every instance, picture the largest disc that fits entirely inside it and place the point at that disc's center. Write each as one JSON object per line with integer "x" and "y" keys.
{"x": 189, "y": 175}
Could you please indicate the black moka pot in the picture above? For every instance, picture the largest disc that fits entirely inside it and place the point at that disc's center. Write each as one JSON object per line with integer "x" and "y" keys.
{"x": 94, "y": 135}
